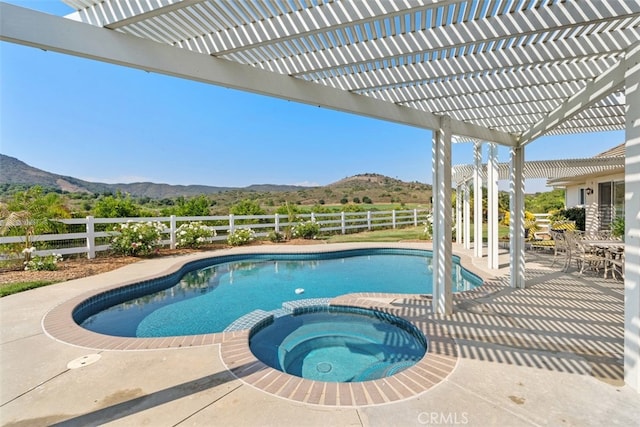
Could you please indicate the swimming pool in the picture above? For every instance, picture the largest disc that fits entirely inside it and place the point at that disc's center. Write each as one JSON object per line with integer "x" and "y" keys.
{"x": 208, "y": 295}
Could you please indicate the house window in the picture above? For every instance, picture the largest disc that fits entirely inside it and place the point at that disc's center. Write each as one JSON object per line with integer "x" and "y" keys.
{"x": 610, "y": 202}
{"x": 618, "y": 198}
{"x": 583, "y": 199}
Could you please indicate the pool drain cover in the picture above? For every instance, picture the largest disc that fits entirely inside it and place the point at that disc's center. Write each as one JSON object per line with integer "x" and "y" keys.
{"x": 83, "y": 361}
{"x": 324, "y": 367}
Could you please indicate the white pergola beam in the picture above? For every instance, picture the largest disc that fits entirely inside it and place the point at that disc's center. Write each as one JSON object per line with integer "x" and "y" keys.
{"x": 477, "y": 199}
{"x": 492, "y": 207}
{"x": 529, "y": 83}
{"x": 632, "y": 221}
{"x": 549, "y": 169}
{"x": 514, "y": 58}
{"x": 48, "y": 32}
{"x": 610, "y": 81}
{"x": 516, "y": 218}
{"x": 426, "y": 72}
{"x": 466, "y": 216}
{"x": 459, "y": 214}
{"x": 442, "y": 217}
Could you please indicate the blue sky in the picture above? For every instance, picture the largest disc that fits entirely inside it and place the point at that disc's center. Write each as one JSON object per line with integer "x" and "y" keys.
{"x": 105, "y": 123}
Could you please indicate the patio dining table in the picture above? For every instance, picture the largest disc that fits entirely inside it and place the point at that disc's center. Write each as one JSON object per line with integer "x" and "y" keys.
{"x": 613, "y": 252}
{"x": 604, "y": 244}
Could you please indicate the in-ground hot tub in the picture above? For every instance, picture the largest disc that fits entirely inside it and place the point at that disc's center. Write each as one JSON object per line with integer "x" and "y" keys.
{"x": 338, "y": 344}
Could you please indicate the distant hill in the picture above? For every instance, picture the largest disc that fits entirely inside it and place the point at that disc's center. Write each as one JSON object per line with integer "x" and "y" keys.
{"x": 367, "y": 180}
{"x": 14, "y": 171}
{"x": 363, "y": 188}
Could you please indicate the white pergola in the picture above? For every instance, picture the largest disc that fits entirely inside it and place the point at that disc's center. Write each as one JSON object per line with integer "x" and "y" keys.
{"x": 496, "y": 71}
{"x": 464, "y": 176}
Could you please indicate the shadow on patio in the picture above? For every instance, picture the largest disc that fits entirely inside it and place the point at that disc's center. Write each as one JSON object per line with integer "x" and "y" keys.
{"x": 563, "y": 322}
{"x": 145, "y": 402}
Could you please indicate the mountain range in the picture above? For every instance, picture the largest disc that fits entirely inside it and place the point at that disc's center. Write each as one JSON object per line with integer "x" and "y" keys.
{"x": 377, "y": 187}
{"x": 14, "y": 171}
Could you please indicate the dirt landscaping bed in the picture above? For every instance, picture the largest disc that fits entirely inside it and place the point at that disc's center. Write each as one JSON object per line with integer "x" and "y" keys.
{"x": 77, "y": 267}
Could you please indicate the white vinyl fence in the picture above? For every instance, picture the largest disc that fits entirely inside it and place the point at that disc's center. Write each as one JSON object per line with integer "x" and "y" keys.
{"x": 90, "y": 235}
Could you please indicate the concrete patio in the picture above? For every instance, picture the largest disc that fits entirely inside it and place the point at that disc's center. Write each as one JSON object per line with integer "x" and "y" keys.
{"x": 550, "y": 354}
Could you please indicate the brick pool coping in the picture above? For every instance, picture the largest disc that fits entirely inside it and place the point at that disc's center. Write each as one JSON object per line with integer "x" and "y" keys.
{"x": 439, "y": 361}
{"x": 435, "y": 366}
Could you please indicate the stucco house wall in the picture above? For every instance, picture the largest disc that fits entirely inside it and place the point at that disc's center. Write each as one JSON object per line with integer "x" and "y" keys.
{"x": 595, "y": 219}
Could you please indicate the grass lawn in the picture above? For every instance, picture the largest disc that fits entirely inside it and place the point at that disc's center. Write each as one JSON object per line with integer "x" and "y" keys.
{"x": 14, "y": 288}
{"x": 387, "y": 235}
{"x": 410, "y": 233}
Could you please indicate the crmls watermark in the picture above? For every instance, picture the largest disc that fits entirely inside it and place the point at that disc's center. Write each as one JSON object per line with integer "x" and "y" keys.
{"x": 443, "y": 418}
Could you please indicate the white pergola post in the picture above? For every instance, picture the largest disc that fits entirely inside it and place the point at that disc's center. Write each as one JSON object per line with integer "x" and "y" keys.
{"x": 442, "y": 251}
{"x": 459, "y": 191}
{"x": 477, "y": 199}
{"x": 516, "y": 217}
{"x": 466, "y": 216}
{"x": 492, "y": 206}
{"x": 632, "y": 220}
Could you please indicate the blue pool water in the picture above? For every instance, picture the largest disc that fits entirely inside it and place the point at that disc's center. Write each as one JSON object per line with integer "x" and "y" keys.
{"x": 210, "y": 298}
{"x": 338, "y": 344}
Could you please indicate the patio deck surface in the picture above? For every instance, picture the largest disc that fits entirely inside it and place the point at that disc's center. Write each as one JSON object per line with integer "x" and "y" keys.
{"x": 550, "y": 354}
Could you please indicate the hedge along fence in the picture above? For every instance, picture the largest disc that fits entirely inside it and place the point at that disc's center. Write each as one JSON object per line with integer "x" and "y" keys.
{"x": 91, "y": 235}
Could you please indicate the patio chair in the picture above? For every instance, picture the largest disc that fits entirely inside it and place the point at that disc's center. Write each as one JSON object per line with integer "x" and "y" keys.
{"x": 587, "y": 257}
{"x": 561, "y": 248}
{"x": 542, "y": 240}
{"x": 615, "y": 263}
{"x": 561, "y": 226}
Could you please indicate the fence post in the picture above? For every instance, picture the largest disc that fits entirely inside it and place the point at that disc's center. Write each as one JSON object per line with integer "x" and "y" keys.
{"x": 231, "y": 223}
{"x": 313, "y": 217}
{"x": 172, "y": 231}
{"x": 91, "y": 238}
{"x": 277, "y": 222}
{"x": 415, "y": 217}
{"x": 393, "y": 218}
{"x": 343, "y": 223}
{"x": 369, "y": 220}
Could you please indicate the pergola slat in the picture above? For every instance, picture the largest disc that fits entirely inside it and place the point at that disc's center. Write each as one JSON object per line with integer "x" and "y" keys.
{"x": 501, "y": 64}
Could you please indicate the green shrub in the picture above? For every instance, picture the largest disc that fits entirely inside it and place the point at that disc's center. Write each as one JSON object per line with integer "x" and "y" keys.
{"x": 572, "y": 214}
{"x": 137, "y": 238}
{"x": 306, "y": 230}
{"x": 118, "y": 206}
{"x": 617, "y": 227}
{"x": 247, "y": 207}
{"x": 241, "y": 236}
{"x": 194, "y": 234}
{"x": 276, "y": 237}
{"x": 43, "y": 263}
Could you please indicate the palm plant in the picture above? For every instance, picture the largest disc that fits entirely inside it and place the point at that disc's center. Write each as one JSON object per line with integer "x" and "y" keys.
{"x": 22, "y": 221}
{"x": 30, "y": 213}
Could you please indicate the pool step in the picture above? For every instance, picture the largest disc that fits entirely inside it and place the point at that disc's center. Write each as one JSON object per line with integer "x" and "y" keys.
{"x": 383, "y": 369}
{"x": 290, "y": 306}
{"x": 250, "y": 319}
